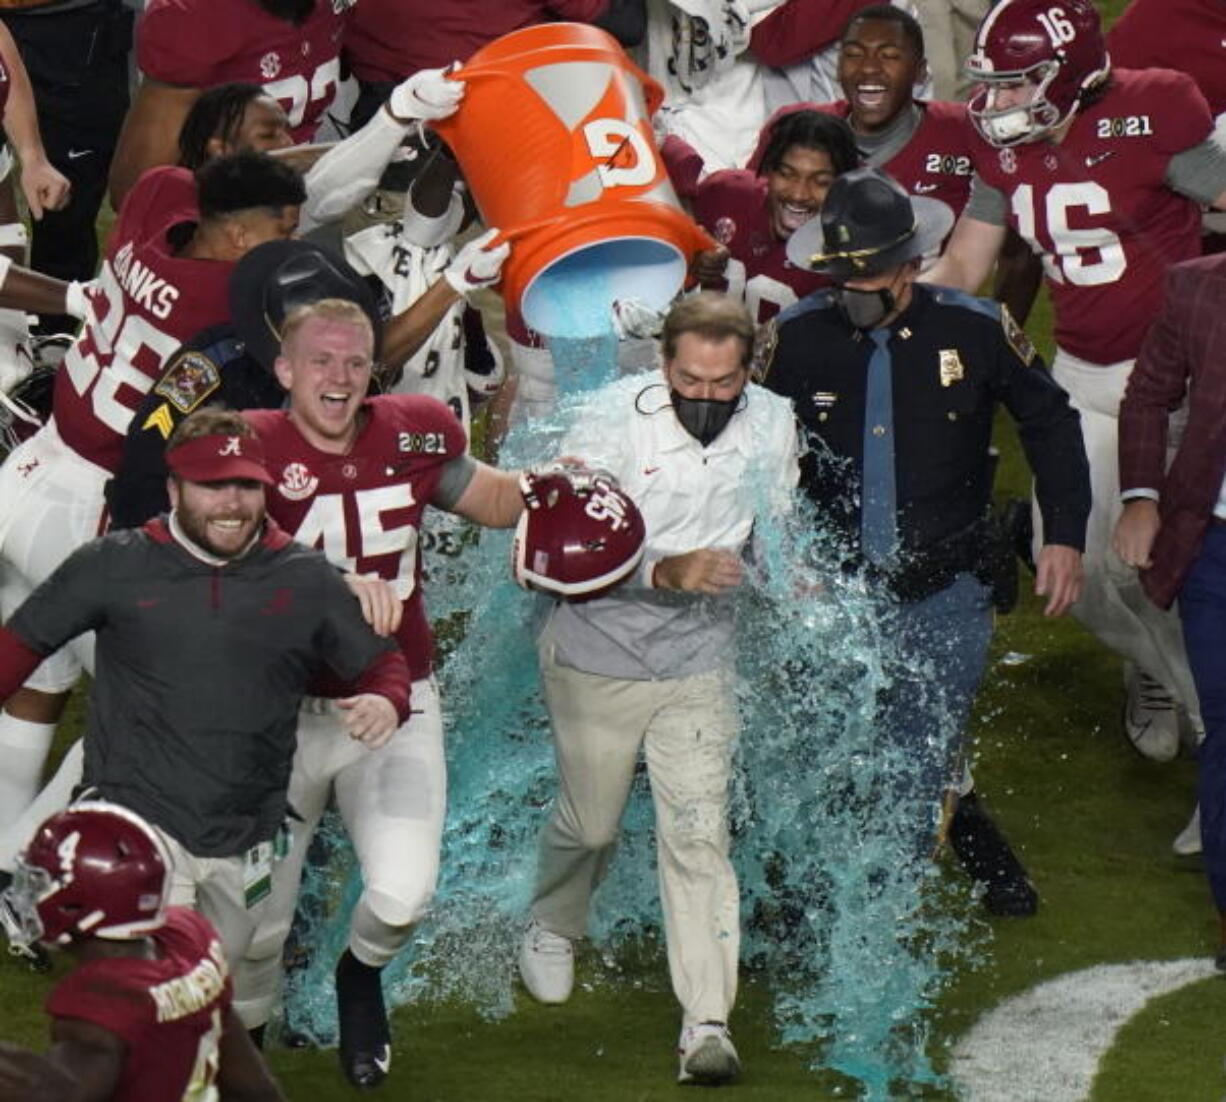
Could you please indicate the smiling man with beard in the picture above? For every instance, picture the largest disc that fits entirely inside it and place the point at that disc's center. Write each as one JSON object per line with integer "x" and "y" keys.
{"x": 211, "y": 624}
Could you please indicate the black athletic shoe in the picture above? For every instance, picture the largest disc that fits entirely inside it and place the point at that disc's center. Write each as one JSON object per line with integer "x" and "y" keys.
{"x": 297, "y": 1039}
{"x": 366, "y": 1049}
{"x": 989, "y": 860}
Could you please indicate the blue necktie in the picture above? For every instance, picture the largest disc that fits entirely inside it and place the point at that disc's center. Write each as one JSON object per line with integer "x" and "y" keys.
{"x": 878, "y": 494}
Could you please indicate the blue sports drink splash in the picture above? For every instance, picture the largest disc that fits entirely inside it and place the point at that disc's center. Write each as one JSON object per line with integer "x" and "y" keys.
{"x": 844, "y": 914}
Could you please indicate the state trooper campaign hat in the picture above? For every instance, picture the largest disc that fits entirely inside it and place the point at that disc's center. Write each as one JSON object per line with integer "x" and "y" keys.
{"x": 274, "y": 278}
{"x": 868, "y": 225}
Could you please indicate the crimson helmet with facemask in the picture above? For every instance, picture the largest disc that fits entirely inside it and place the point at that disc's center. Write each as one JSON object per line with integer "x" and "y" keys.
{"x": 95, "y": 869}
{"x": 1057, "y": 49}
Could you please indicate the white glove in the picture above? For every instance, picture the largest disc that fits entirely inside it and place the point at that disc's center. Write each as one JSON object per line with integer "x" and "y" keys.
{"x": 690, "y": 59}
{"x": 706, "y": 40}
{"x": 427, "y": 94}
{"x": 76, "y": 301}
{"x": 476, "y": 266}
{"x": 634, "y": 319}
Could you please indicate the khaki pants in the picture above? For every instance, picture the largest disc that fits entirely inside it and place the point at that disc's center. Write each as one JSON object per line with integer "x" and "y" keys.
{"x": 214, "y": 887}
{"x": 686, "y": 727}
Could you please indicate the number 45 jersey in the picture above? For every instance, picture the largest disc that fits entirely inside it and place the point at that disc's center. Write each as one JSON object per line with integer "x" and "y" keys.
{"x": 145, "y": 302}
{"x": 364, "y": 509}
{"x": 1097, "y": 207}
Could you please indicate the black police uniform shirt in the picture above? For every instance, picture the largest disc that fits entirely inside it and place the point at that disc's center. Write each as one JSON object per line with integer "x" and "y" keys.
{"x": 211, "y": 369}
{"x": 954, "y": 357}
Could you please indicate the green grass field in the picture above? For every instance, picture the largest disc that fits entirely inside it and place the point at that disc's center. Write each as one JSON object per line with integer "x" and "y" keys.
{"x": 1093, "y": 822}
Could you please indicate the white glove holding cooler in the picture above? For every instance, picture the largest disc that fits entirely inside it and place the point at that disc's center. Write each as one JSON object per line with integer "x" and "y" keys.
{"x": 427, "y": 94}
{"x": 633, "y": 319}
{"x": 477, "y": 265}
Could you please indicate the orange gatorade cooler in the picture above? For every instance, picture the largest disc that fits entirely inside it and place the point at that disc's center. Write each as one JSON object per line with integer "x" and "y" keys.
{"x": 554, "y": 137}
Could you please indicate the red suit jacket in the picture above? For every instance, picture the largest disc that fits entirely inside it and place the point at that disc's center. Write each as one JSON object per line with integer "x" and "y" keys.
{"x": 1183, "y": 353}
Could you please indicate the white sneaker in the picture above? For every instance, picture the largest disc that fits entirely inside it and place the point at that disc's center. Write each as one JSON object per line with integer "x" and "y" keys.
{"x": 546, "y": 964}
{"x": 1151, "y": 719}
{"x": 1187, "y": 841}
{"x": 707, "y": 1055}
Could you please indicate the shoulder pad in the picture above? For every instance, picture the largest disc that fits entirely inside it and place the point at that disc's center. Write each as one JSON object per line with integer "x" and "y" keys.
{"x": 191, "y": 377}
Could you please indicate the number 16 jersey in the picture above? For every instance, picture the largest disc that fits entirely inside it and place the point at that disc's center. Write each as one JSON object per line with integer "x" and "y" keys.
{"x": 1099, "y": 211}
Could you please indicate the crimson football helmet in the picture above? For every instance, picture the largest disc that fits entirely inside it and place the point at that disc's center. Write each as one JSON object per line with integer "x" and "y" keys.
{"x": 93, "y": 870}
{"x": 578, "y": 536}
{"x": 1056, "y": 46}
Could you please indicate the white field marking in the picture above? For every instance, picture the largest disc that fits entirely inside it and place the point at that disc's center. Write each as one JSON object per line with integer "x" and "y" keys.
{"x": 1045, "y": 1045}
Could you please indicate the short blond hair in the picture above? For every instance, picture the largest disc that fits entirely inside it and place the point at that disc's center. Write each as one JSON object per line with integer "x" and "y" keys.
{"x": 340, "y": 310}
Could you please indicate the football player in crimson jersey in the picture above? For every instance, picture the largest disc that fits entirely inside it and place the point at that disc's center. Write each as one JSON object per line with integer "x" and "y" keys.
{"x": 291, "y": 47}
{"x": 146, "y": 1012}
{"x": 752, "y": 214}
{"x": 232, "y": 118}
{"x": 1188, "y": 35}
{"x": 165, "y": 277}
{"x": 1102, "y": 172}
{"x": 924, "y": 144}
{"x": 353, "y": 477}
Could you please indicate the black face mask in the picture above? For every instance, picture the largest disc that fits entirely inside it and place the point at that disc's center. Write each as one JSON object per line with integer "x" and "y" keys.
{"x": 703, "y": 418}
{"x": 865, "y": 309}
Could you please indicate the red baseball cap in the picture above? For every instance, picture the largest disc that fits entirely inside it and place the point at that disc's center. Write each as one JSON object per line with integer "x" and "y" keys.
{"x": 220, "y": 458}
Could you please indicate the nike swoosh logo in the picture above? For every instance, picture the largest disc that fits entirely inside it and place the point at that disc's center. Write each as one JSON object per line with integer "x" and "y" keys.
{"x": 384, "y": 1062}
{"x": 1098, "y": 158}
{"x": 923, "y": 189}
{"x": 77, "y": 154}
{"x": 650, "y": 470}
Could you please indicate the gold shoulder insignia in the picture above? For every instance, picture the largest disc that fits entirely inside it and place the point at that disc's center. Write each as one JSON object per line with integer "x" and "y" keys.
{"x": 1016, "y": 336}
{"x": 162, "y": 420}
{"x": 765, "y": 340}
{"x": 190, "y": 378}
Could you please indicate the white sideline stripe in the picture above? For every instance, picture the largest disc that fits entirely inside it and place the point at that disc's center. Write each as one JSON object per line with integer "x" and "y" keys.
{"x": 1045, "y": 1044}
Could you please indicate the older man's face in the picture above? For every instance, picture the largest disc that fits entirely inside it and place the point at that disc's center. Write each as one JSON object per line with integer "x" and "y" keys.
{"x": 709, "y": 370}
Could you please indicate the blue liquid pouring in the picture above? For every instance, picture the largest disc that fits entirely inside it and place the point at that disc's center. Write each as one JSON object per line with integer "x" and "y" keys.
{"x": 844, "y": 915}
